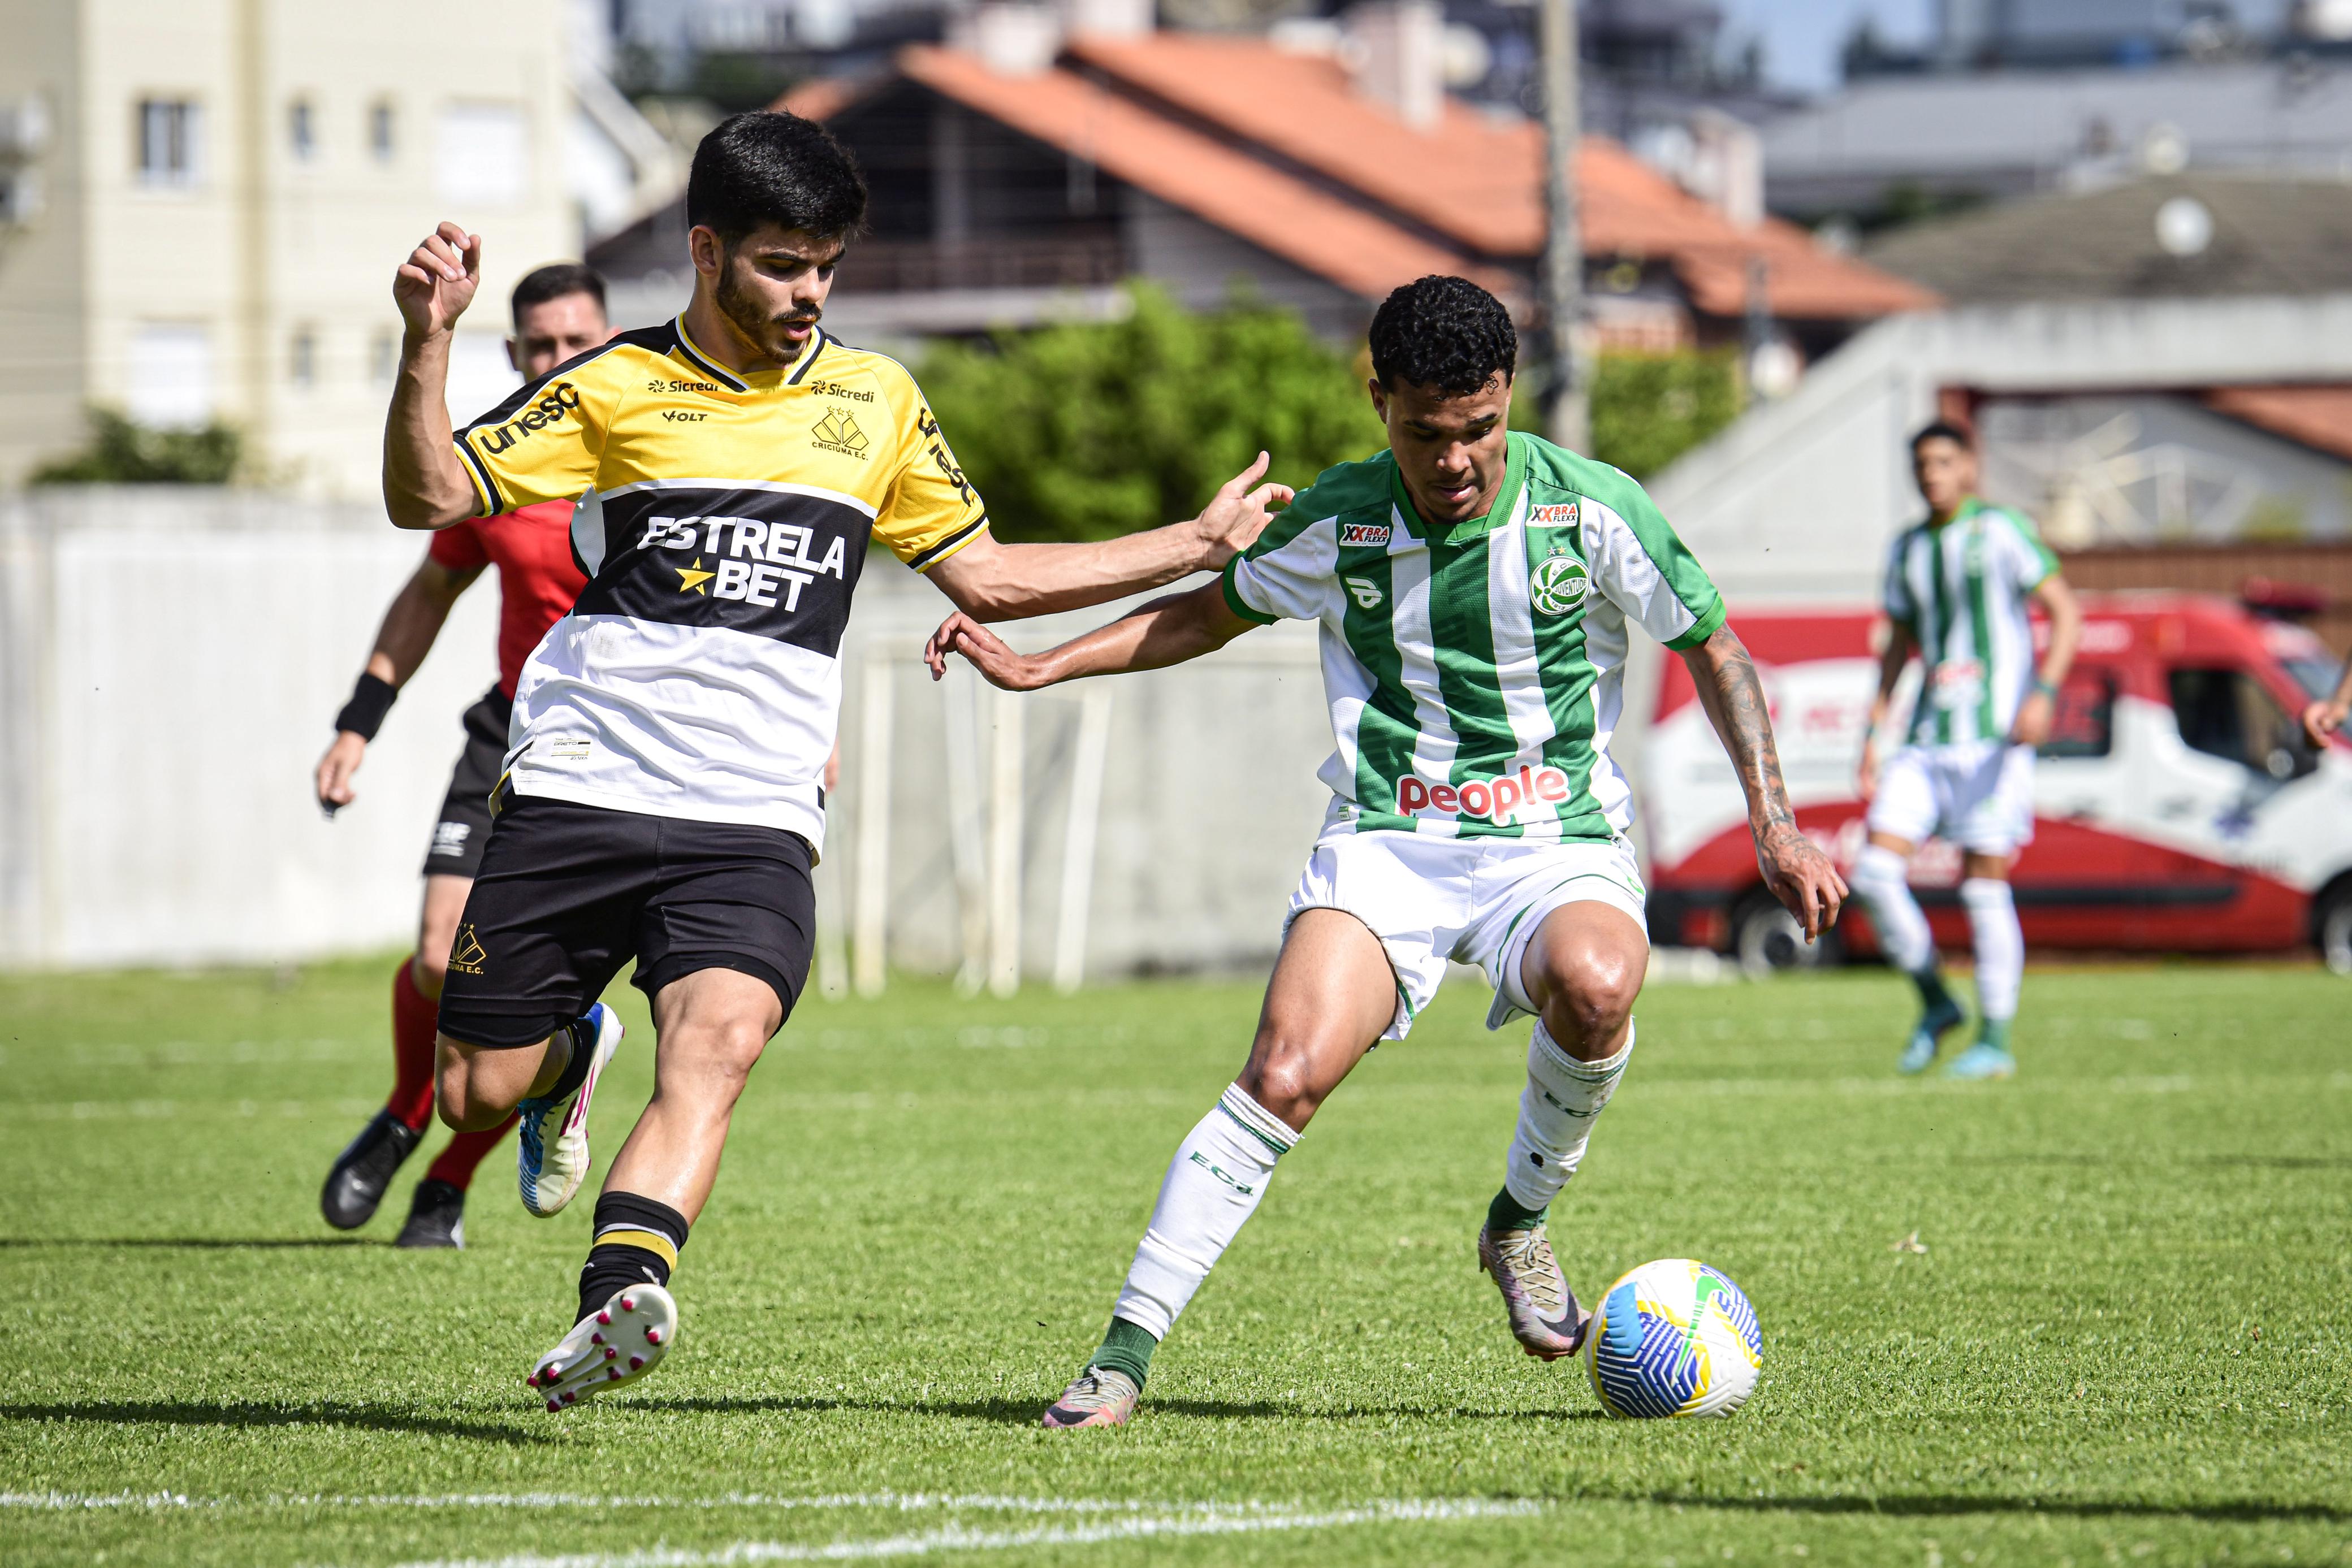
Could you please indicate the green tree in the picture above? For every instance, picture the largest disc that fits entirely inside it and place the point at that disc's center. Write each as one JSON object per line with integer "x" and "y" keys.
{"x": 1650, "y": 409}
{"x": 122, "y": 452}
{"x": 1087, "y": 431}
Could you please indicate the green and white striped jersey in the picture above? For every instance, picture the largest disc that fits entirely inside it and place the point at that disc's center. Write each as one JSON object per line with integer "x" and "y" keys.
{"x": 1474, "y": 673}
{"x": 1963, "y": 587}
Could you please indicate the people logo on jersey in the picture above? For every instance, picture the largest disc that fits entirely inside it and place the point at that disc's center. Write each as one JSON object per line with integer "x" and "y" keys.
{"x": 723, "y": 523}
{"x": 1475, "y": 672}
{"x": 1961, "y": 586}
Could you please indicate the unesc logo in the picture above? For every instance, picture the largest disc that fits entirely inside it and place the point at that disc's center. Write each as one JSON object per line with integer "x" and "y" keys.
{"x": 838, "y": 432}
{"x": 1559, "y": 584}
{"x": 559, "y": 400}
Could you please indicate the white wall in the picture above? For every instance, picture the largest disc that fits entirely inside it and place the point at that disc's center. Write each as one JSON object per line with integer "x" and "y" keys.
{"x": 1798, "y": 499}
{"x": 172, "y": 664}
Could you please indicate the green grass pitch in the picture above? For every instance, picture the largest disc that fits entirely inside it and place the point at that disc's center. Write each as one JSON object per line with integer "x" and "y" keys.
{"x": 2126, "y": 1340}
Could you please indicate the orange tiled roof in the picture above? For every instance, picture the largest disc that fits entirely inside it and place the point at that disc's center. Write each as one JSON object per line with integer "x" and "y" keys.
{"x": 1475, "y": 181}
{"x": 1478, "y": 179}
{"x": 2319, "y": 416}
{"x": 1357, "y": 250}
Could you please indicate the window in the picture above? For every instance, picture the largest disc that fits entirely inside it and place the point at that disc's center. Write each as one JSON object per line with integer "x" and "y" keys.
{"x": 171, "y": 135}
{"x": 2082, "y": 721}
{"x": 482, "y": 156}
{"x": 303, "y": 358}
{"x": 380, "y": 130}
{"x": 171, "y": 366}
{"x": 2226, "y": 712}
{"x": 301, "y": 130}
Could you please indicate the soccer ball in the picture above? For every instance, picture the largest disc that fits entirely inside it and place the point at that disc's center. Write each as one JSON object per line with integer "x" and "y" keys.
{"x": 1673, "y": 1338}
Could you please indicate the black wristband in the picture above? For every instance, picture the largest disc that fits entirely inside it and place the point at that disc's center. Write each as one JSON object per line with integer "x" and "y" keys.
{"x": 371, "y": 700}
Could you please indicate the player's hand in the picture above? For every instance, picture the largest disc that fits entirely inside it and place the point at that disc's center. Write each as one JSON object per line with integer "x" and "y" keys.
{"x": 2033, "y": 719}
{"x": 1865, "y": 772}
{"x": 1801, "y": 877}
{"x": 983, "y": 649}
{"x": 437, "y": 281}
{"x": 333, "y": 780}
{"x": 2322, "y": 719}
{"x": 1235, "y": 517}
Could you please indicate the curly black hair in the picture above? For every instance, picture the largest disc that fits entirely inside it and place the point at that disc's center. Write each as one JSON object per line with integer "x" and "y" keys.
{"x": 770, "y": 167}
{"x": 1443, "y": 332}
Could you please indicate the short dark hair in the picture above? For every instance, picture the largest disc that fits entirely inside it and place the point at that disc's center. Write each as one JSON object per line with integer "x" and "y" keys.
{"x": 1443, "y": 332}
{"x": 553, "y": 281}
{"x": 770, "y": 167}
{"x": 1958, "y": 435}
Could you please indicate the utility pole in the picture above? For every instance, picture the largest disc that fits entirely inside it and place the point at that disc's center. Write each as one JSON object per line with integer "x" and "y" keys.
{"x": 1564, "y": 258}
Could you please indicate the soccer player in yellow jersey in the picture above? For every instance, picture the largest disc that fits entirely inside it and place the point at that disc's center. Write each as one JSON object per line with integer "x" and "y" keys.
{"x": 661, "y": 798}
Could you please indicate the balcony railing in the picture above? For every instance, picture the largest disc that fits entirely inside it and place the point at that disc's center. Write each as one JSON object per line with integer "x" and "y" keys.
{"x": 916, "y": 266}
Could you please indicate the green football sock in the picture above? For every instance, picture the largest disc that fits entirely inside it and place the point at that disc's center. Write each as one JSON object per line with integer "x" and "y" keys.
{"x": 1506, "y": 1213}
{"x": 1126, "y": 1348}
{"x": 1995, "y": 1033}
{"x": 1932, "y": 992}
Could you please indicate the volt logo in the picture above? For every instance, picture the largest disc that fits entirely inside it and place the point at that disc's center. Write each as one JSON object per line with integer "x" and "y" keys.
{"x": 1366, "y": 593}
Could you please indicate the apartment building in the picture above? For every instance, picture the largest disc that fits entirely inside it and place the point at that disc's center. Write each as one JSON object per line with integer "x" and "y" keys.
{"x": 202, "y": 203}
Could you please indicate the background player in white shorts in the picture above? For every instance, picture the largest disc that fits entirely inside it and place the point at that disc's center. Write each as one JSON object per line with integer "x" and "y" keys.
{"x": 1956, "y": 590}
{"x": 1473, "y": 587}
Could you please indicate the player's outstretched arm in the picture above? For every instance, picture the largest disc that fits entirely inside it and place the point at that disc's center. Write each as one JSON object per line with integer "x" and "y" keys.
{"x": 413, "y": 620}
{"x": 425, "y": 483}
{"x": 1799, "y": 874}
{"x": 995, "y": 581}
{"x": 1164, "y": 633}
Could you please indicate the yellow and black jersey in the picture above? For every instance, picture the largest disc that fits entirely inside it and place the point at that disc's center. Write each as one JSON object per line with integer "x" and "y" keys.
{"x": 722, "y": 521}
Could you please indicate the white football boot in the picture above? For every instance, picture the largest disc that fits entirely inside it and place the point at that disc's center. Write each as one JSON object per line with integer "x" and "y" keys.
{"x": 618, "y": 1345}
{"x": 551, "y": 1158}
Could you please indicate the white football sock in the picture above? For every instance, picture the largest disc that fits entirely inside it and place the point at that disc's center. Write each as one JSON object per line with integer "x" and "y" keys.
{"x": 1214, "y": 1184}
{"x": 1885, "y": 883}
{"x": 1999, "y": 944}
{"x": 1557, "y": 1110}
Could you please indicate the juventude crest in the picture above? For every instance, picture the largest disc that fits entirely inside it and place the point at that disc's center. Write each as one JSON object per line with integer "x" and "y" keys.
{"x": 1558, "y": 585}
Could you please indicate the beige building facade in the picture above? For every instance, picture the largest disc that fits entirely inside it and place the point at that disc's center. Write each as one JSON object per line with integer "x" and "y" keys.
{"x": 202, "y": 203}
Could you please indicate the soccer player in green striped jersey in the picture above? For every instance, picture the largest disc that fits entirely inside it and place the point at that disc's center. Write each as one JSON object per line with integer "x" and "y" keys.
{"x": 1473, "y": 589}
{"x": 1957, "y": 585}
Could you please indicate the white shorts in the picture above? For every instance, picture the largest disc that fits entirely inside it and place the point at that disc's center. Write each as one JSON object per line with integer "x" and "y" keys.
{"x": 1473, "y": 901}
{"x": 1979, "y": 795}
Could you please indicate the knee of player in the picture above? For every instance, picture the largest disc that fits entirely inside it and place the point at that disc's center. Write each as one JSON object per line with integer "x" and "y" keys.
{"x": 430, "y": 970}
{"x": 722, "y": 1051}
{"x": 1594, "y": 989}
{"x": 1280, "y": 1077}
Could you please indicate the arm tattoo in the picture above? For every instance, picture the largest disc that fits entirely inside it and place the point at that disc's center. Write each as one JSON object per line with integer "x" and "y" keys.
{"x": 1746, "y": 720}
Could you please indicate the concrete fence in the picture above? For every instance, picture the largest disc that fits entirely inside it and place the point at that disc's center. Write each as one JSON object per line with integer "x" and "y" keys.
{"x": 170, "y": 662}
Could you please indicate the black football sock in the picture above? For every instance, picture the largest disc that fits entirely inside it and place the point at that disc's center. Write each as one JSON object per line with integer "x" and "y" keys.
{"x": 1507, "y": 1213}
{"x": 581, "y": 1041}
{"x": 637, "y": 1243}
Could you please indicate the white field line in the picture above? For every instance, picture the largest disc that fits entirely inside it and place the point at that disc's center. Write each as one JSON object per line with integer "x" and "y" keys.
{"x": 903, "y": 1502}
{"x": 1247, "y": 1521}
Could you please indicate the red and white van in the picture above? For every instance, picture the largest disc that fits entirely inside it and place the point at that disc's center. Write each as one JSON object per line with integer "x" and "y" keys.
{"x": 2178, "y": 806}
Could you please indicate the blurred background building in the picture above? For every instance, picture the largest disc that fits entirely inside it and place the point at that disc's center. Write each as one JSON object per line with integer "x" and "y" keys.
{"x": 2112, "y": 233}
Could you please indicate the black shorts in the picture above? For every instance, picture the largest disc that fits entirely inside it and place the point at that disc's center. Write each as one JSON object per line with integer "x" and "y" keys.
{"x": 567, "y": 895}
{"x": 463, "y": 825}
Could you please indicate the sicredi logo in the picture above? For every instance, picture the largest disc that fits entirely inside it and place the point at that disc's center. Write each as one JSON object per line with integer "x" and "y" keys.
{"x": 1494, "y": 799}
{"x": 1364, "y": 534}
{"x": 561, "y": 400}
